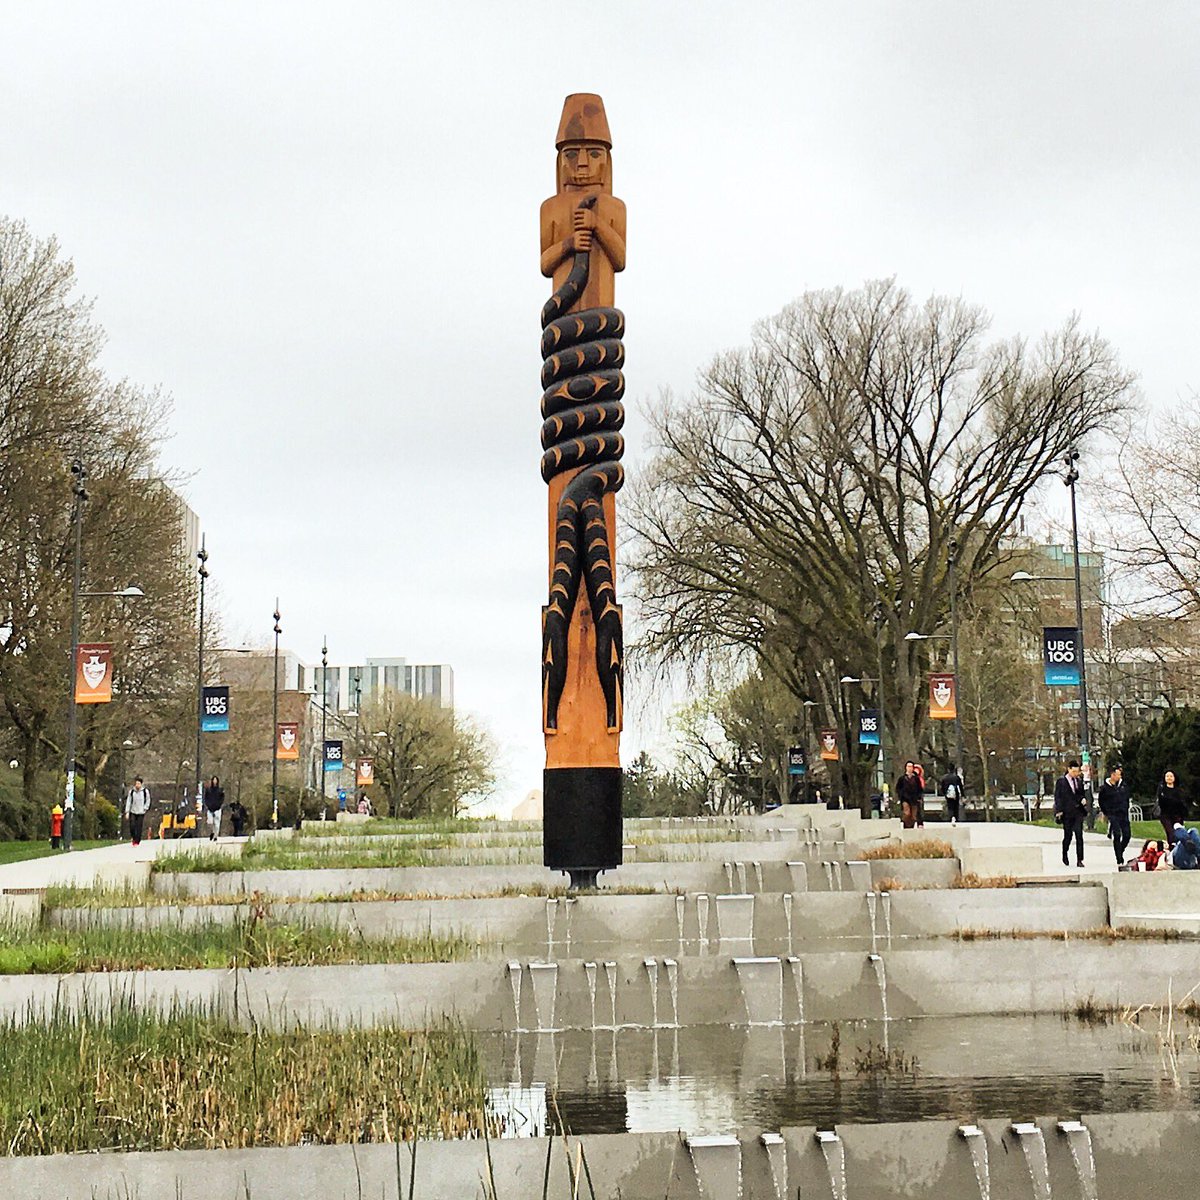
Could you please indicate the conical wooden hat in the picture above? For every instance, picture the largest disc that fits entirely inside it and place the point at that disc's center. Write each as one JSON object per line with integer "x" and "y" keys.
{"x": 583, "y": 120}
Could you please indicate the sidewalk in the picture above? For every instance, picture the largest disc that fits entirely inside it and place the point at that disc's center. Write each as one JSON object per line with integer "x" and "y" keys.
{"x": 106, "y": 865}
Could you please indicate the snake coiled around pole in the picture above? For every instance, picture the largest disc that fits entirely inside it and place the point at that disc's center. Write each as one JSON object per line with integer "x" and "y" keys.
{"x": 582, "y": 356}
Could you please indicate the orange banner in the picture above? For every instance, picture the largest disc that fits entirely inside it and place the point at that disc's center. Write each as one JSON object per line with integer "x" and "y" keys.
{"x": 829, "y": 745}
{"x": 287, "y": 740}
{"x": 943, "y": 698}
{"x": 93, "y": 673}
{"x": 364, "y": 776}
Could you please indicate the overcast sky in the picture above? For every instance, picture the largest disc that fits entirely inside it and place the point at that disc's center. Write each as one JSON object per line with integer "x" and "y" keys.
{"x": 316, "y": 226}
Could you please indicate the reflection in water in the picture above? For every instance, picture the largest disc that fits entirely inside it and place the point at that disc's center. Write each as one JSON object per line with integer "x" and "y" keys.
{"x": 710, "y": 1081}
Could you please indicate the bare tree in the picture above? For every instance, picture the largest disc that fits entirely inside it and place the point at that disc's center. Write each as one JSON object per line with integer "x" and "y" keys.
{"x": 429, "y": 760}
{"x": 814, "y": 483}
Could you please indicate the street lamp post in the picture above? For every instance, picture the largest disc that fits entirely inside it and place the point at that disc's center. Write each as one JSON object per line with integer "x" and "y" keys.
{"x": 80, "y": 494}
{"x": 1085, "y": 756}
{"x": 202, "y": 572}
{"x": 357, "y": 717}
{"x": 275, "y": 725}
{"x": 952, "y": 638}
{"x": 878, "y": 682}
{"x": 959, "y": 765}
{"x": 324, "y": 712}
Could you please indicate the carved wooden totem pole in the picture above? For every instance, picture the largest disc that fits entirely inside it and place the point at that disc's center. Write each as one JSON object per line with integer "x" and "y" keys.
{"x": 583, "y": 246}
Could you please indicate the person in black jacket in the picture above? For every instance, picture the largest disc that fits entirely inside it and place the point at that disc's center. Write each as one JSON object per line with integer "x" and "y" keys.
{"x": 1172, "y": 807}
{"x": 911, "y": 795}
{"x": 1113, "y": 800}
{"x": 214, "y": 801}
{"x": 1070, "y": 807}
{"x": 952, "y": 788}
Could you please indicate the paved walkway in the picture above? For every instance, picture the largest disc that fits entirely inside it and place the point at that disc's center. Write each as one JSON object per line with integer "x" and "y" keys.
{"x": 81, "y": 867}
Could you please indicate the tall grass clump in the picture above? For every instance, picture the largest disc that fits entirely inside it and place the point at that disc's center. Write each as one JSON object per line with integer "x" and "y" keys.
{"x": 923, "y": 848}
{"x": 252, "y": 942}
{"x": 189, "y": 1079}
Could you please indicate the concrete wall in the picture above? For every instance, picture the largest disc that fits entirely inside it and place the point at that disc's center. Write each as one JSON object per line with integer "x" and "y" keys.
{"x": 1155, "y": 900}
{"x": 1134, "y": 1155}
{"x": 714, "y": 989}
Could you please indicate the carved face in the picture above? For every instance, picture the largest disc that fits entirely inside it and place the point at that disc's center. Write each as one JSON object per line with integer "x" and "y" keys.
{"x": 584, "y": 165}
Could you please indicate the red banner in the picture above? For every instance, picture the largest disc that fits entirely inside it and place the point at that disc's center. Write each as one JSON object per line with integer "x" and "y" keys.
{"x": 287, "y": 740}
{"x": 93, "y": 673}
{"x": 943, "y": 697}
{"x": 829, "y": 745}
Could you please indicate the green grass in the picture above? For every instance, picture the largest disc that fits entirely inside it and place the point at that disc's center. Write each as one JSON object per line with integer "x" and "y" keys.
{"x": 247, "y": 943}
{"x": 1140, "y": 831}
{"x": 12, "y": 852}
{"x": 130, "y": 1079}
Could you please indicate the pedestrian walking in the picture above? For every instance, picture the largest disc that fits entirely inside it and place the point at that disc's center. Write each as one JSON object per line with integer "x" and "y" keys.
{"x": 238, "y": 815}
{"x": 137, "y": 805}
{"x": 56, "y": 826}
{"x": 951, "y": 788}
{"x": 1070, "y": 810}
{"x": 1172, "y": 807}
{"x": 214, "y": 801}
{"x": 910, "y": 793}
{"x": 1113, "y": 801}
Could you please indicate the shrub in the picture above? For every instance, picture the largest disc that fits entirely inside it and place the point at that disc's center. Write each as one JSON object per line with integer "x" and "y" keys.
{"x": 924, "y": 848}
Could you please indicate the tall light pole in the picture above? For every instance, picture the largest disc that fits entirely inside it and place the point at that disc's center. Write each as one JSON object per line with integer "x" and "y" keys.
{"x": 958, "y": 732}
{"x": 878, "y": 682}
{"x": 275, "y": 725}
{"x": 324, "y": 711}
{"x": 202, "y": 572}
{"x": 1085, "y": 748}
{"x": 357, "y": 721}
{"x": 884, "y": 776}
{"x": 80, "y": 494}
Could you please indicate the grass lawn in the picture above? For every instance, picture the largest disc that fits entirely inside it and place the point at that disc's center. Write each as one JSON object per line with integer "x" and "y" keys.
{"x": 11, "y": 852}
{"x": 1139, "y": 830}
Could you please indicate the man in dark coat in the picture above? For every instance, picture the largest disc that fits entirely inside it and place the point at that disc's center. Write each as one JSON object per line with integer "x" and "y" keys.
{"x": 911, "y": 795}
{"x": 1070, "y": 807}
{"x": 1113, "y": 799}
{"x": 951, "y": 788}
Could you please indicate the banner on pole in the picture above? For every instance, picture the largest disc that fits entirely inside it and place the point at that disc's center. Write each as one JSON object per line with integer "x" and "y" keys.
{"x": 333, "y": 755}
{"x": 943, "y": 697}
{"x": 287, "y": 740}
{"x": 93, "y": 673}
{"x": 868, "y": 727}
{"x": 364, "y": 776}
{"x": 214, "y": 714}
{"x": 1060, "y": 656}
{"x": 797, "y": 761}
{"x": 829, "y": 745}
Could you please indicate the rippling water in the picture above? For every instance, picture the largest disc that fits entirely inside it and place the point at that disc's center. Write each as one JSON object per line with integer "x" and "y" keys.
{"x": 716, "y": 1080}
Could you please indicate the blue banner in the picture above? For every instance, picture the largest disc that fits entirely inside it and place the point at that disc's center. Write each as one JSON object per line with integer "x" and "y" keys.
{"x": 868, "y": 727}
{"x": 1060, "y": 656}
{"x": 214, "y": 711}
{"x": 333, "y": 756}
{"x": 797, "y": 761}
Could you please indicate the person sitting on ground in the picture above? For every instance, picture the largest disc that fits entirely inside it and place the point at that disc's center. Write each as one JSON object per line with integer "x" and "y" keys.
{"x": 1186, "y": 855}
{"x": 1152, "y": 854}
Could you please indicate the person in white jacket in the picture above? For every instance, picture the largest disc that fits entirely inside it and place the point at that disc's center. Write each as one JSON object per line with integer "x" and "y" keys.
{"x": 137, "y": 805}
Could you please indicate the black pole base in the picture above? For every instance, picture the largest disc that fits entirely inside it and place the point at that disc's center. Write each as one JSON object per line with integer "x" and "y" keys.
{"x": 581, "y": 821}
{"x": 584, "y": 881}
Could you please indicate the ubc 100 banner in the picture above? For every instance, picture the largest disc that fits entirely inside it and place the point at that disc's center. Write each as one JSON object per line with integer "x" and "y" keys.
{"x": 93, "y": 673}
{"x": 214, "y": 716}
{"x": 868, "y": 727}
{"x": 333, "y": 755}
{"x": 1060, "y": 656}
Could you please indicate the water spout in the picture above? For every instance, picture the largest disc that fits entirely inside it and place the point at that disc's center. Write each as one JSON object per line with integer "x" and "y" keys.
{"x": 589, "y": 969}
{"x": 702, "y": 920}
{"x": 1033, "y": 1145}
{"x": 1079, "y": 1138}
{"x": 977, "y": 1144}
{"x": 729, "y": 876}
{"x": 799, "y": 874}
{"x": 680, "y": 906}
{"x": 886, "y": 897}
{"x": 514, "y": 979}
{"x": 544, "y": 978}
{"x": 798, "y": 983}
{"x": 740, "y": 867}
{"x": 787, "y": 916}
{"x": 717, "y": 1162}
{"x": 758, "y": 877}
{"x": 651, "y": 966}
{"x": 872, "y": 903}
{"x": 835, "y": 1161}
{"x": 880, "y": 966}
{"x": 610, "y": 973}
{"x": 829, "y": 875}
{"x": 672, "y": 969}
{"x": 551, "y": 917}
{"x": 761, "y": 981}
{"x": 776, "y": 1150}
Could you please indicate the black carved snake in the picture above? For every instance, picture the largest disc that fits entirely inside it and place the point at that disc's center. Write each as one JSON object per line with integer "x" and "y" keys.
{"x": 582, "y": 413}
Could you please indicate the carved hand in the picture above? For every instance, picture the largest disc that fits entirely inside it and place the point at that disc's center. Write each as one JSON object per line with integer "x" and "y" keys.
{"x": 584, "y": 218}
{"x": 580, "y": 241}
